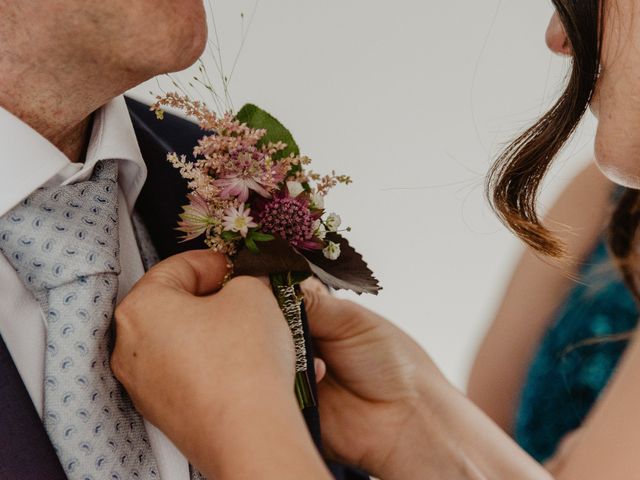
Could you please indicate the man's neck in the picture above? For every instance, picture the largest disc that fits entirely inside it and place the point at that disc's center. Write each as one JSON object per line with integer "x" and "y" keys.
{"x": 50, "y": 80}
{"x": 64, "y": 120}
{"x": 56, "y": 99}
{"x": 75, "y": 142}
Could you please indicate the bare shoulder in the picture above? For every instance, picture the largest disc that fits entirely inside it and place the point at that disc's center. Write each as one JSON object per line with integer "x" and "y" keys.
{"x": 537, "y": 288}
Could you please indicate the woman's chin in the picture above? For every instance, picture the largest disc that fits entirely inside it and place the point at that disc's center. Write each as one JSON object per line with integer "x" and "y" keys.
{"x": 620, "y": 175}
{"x": 617, "y": 152}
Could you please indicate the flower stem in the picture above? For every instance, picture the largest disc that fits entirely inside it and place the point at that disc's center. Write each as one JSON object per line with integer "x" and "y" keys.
{"x": 289, "y": 298}
{"x": 304, "y": 394}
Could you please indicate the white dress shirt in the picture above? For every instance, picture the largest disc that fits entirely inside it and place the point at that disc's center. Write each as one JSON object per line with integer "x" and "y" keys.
{"x": 27, "y": 162}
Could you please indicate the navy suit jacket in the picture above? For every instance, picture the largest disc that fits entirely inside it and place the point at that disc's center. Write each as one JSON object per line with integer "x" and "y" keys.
{"x": 25, "y": 450}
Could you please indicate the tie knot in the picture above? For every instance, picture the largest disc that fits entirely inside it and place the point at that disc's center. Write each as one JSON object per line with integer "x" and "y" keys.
{"x": 57, "y": 235}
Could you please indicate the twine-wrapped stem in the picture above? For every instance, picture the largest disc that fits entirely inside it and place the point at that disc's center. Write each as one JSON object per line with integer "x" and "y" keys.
{"x": 289, "y": 298}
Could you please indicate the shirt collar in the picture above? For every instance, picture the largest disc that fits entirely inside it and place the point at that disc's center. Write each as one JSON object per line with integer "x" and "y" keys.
{"x": 31, "y": 161}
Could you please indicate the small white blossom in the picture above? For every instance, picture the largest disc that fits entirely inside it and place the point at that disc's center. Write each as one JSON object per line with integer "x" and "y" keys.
{"x": 295, "y": 188}
{"x": 238, "y": 220}
{"x": 332, "y": 251}
{"x": 317, "y": 201}
{"x": 333, "y": 222}
{"x": 319, "y": 230}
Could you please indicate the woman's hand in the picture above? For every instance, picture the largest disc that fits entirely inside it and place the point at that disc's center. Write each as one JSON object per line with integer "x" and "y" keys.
{"x": 372, "y": 392}
{"x": 214, "y": 372}
{"x": 387, "y": 408}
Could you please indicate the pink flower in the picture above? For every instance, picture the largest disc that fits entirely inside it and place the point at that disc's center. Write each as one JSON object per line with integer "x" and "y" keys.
{"x": 238, "y": 220}
{"x": 290, "y": 219}
{"x": 247, "y": 169}
{"x": 239, "y": 186}
{"x": 196, "y": 219}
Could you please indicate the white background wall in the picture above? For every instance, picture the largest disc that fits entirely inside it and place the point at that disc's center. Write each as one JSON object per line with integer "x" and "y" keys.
{"x": 412, "y": 98}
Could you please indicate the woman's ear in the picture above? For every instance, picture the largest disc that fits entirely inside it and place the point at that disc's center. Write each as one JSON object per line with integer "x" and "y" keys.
{"x": 556, "y": 37}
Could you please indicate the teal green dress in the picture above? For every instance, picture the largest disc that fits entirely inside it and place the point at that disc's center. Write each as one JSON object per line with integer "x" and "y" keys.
{"x": 570, "y": 370}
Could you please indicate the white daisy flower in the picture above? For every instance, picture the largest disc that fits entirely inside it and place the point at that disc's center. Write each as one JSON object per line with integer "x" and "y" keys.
{"x": 238, "y": 220}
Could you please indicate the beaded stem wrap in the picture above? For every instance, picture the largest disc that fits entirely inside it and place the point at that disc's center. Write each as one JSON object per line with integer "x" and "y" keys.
{"x": 291, "y": 306}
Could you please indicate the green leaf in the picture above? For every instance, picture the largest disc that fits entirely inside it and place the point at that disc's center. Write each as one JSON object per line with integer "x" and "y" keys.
{"x": 255, "y": 117}
{"x": 261, "y": 237}
{"x": 230, "y": 236}
{"x": 251, "y": 245}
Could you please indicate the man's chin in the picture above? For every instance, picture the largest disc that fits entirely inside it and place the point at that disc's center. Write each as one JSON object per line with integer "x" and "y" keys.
{"x": 197, "y": 44}
{"x": 190, "y": 55}
{"x": 181, "y": 46}
{"x": 171, "y": 58}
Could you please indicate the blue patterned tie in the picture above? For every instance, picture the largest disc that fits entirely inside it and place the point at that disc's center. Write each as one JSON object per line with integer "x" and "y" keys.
{"x": 63, "y": 243}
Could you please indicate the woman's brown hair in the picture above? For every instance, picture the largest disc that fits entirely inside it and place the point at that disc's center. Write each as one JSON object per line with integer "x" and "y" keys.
{"x": 515, "y": 178}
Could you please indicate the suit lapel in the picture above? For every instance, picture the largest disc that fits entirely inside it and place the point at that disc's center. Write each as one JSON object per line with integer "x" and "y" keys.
{"x": 164, "y": 192}
{"x": 25, "y": 450}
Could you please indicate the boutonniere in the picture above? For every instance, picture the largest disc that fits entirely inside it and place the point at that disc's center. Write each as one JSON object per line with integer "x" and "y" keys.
{"x": 254, "y": 197}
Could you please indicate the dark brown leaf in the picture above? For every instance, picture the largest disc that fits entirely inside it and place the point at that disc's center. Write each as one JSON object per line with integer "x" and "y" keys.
{"x": 348, "y": 272}
{"x": 276, "y": 256}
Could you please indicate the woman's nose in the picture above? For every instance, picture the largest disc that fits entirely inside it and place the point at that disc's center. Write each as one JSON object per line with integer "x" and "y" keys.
{"x": 556, "y": 37}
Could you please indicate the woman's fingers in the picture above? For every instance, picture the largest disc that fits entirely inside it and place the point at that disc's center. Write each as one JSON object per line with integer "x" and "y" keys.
{"x": 321, "y": 369}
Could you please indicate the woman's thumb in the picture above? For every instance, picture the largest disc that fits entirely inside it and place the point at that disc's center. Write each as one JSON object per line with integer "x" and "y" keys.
{"x": 324, "y": 312}
{"x": 198, "y": 272}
